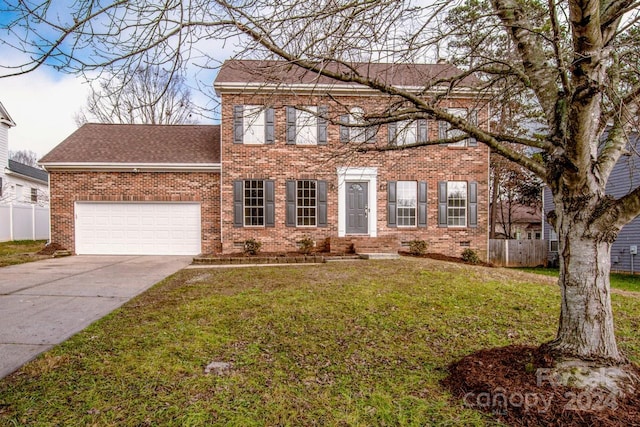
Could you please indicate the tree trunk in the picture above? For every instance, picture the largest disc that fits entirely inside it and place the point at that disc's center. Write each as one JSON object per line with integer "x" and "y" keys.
{"x": 586, "y": 330}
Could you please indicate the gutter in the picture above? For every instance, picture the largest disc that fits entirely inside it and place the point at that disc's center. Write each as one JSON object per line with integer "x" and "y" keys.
{"x": 132, "y": 167}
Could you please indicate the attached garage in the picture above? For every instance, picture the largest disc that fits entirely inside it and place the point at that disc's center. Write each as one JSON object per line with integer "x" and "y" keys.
{"x": 137, "y": 228}
{"x": 136, "y": 190}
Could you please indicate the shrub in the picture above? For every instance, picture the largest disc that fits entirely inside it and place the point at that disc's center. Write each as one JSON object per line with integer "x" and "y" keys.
{"x": 252, "y": 246}
{"x": 306, "y": 245}
{"x": 418, "y": 247}
{"x": 470, "y": 256}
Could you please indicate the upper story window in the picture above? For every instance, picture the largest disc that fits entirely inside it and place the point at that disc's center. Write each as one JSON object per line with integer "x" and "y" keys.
{"x": 353, "y": 129}
{"x": 457, "y": 204}
{"x": 253, "y": 124}
{"x": 34, "y": 195}
{"x": 445, "y": 130}
{"x": 307, "y": 125}
{"x": 407, "y": 132}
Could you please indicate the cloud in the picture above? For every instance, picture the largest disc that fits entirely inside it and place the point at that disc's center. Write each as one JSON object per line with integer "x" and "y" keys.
{"x": 42, "y": 104}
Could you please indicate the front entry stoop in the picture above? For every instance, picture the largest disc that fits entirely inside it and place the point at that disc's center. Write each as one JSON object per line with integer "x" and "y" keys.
{"x": 379, "y": 256}
{"x": 384, "y": 247}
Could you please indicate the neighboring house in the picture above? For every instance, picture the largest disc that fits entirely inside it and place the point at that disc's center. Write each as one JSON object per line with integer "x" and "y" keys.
{"x": 518, "y": 222}
{"x": 279, "y": 168}
{"x": 624, "y": 178}
{"x": 19, "y": 183}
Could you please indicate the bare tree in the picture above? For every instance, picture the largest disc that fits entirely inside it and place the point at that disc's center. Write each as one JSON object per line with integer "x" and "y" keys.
{"x": 149, "y": 95}
{"x": 26, "y": 157}
{"x": 571, "y": 61}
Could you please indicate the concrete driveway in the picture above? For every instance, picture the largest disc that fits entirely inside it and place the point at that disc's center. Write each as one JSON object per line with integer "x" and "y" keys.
{"x": 45, "y": 302}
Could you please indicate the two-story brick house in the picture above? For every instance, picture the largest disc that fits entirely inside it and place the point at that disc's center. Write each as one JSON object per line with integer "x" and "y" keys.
{"x": 283, "y": 167}
{"x": 293, "y": 171}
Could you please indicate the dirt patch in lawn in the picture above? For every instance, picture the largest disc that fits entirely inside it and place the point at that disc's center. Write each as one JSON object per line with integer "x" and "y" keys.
{"x": 510, "y": 382}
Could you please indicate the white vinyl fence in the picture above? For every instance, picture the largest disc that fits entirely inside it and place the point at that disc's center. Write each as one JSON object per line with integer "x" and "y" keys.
{"x": 23, "y": 222}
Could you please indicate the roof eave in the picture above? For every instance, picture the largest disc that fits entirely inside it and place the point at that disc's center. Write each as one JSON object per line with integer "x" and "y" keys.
{"x": 132, "y": 167}
{"x": 9, "y": 172}
{"x": 324, "y": 88}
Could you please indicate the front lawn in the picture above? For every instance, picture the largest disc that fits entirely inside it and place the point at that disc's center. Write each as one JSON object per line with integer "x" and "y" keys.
{"x": 350, "y": 343}
{"x": 627, "y": 282}
{"x": 21, "y": 251}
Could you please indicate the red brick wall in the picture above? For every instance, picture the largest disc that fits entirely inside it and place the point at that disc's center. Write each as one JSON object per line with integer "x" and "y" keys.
{"x": 282, "y": 162}
{"x": 69, "y": 187}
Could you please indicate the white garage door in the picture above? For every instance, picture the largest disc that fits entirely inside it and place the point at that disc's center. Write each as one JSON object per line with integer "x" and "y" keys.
{"x": 137, "y": 228}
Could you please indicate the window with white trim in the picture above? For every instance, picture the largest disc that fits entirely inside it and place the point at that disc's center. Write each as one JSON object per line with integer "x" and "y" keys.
{"x": 306, "y": 203}
{"x": 407, "y": 201}
{"x": 253, "y": 202}
{"x": 406, "y": 132}
{"x": 356, "y": 117}
{"x": 553, "y": 241}
{"x": 457, "y": 204}
{"x": 253, "y": 124}
{"x": 307, "y": 126}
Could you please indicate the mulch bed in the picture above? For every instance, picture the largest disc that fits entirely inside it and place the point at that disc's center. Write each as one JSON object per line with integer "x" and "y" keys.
{"x": 441, "y": 257}
{"x": 510, "y": 383}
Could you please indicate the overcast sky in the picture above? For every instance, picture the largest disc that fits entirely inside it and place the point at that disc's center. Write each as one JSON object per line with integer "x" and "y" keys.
{"x": 43, "y": 105}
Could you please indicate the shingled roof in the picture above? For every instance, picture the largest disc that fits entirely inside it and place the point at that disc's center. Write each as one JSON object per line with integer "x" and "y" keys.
{"x": 281, "y": 72}
{"x": 28, "y": 171}
{"x": 138, "y": 144}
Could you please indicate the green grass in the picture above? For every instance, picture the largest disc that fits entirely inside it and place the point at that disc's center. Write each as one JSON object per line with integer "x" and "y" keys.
{"x": 20, "y": 251}
{"x": 342, "y": 344}
{"x": 626, "y": 282}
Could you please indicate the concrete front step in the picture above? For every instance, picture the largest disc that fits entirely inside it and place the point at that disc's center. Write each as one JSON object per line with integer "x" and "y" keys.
{"x": 379, "y": 256}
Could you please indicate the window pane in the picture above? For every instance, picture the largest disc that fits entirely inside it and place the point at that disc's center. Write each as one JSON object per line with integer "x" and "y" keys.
{"x": 253, "y": 122}
{"x": 457, "y": 203}
{"x": 406, "y": 132}
{"x": 307, "y": 126}
{"x": 453, "y": 133}
{"x": 407, "y": 200}
{"x": 306, "y": 203}
{"x": 356, "y": 116}
{"x": 254, "y": 202}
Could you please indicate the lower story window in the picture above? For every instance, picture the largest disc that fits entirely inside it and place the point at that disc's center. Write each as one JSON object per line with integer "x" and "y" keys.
{"x": 456, "y": 204}
{"x": 253, "y": 202}
{"x": 407, "y": 193}
{"x": 306, "y": 203}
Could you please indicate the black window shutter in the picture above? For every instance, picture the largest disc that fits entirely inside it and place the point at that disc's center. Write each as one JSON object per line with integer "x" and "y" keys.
{"x": 473, "y": 119}
{"x": 370, "y": 133}
{"x": 443, "y": 127}
{"x": 423, "y": 130}
{"x": 344, "y": 129}
{"x": 422, "y": 203}
{"x": 290, "y": 220}
{"x": 391, "y": 132}
{"x": 238, "y": 126}
{"x": 291, "y": 125}
{"x": 269, "y": 204}
{"x": 442, "y": 204}
{"x": 323, "y": 111}
{"x": 238, "y": 214}
{"x": 391, "y": 204}
{"x": 269, "y": 126}
{"x": 322, "y": 204}
{"x": 473, "y": 204}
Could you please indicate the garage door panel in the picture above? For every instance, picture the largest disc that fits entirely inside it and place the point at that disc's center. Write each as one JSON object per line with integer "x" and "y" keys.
{"x": 138, "y": 228}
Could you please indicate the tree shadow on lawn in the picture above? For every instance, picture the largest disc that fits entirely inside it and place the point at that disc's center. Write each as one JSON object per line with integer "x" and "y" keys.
{"x": 513, "y": 384}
